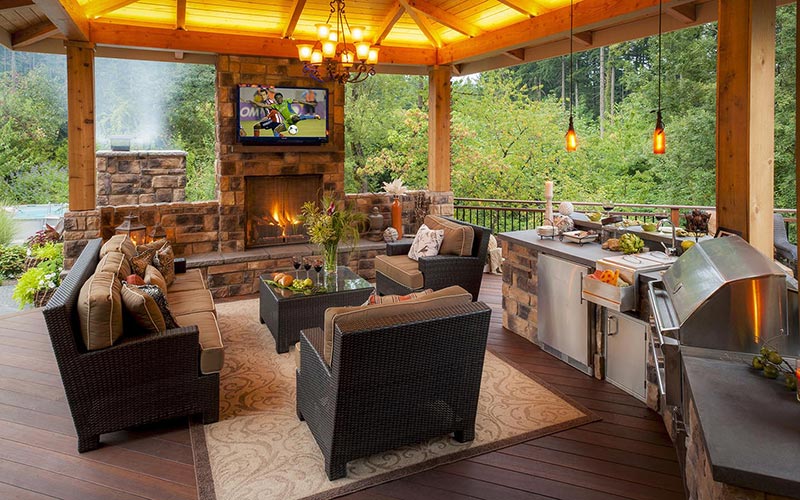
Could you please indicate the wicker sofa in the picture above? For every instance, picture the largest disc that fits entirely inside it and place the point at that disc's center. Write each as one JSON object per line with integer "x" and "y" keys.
{"x": 141, "y": 378}
{"x": 396, "y": 273}
{"x": 410, "y": 373}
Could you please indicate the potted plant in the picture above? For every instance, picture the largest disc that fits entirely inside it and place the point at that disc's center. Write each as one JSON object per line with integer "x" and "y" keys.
{"x": 328, "y": 227}
{"x": 38, "y": 284}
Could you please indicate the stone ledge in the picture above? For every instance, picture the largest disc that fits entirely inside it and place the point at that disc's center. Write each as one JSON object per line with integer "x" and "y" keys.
{"x": 275, "y": 252}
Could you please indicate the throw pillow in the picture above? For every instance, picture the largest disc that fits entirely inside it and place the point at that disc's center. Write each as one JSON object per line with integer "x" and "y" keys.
{"x": 391, "y": 299}
{"x": 153, "y": 277}
{"x": 163, "y": 305}
{"x": 164, "y": 261}
{"x": 150, "y": 246}
{"x": 119, "y": 243}
{"x": 143, "y": 309}
{"x": 426, "y": 243}
{"x": 100, "y": 310}
{"x": 458, "y": 238}
{"x": 140, "y": 262}
{"x": 115, "y": 262}
{"x": 134, "y": 279}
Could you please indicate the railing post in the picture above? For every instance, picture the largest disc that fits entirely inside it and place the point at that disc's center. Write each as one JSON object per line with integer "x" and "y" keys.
{"x": 675, "y": 216}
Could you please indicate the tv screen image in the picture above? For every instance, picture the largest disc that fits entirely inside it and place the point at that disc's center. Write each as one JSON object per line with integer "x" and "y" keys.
{"x": 282, "y": 115}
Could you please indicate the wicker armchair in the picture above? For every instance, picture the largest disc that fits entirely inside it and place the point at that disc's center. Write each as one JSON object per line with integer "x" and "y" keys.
{"x": 140, "y": 379}
{"x": 441, "y": 271}
{"x": 392, "y": 381}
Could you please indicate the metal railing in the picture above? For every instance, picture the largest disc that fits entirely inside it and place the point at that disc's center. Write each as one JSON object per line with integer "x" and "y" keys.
{"x": 516, "y": 215}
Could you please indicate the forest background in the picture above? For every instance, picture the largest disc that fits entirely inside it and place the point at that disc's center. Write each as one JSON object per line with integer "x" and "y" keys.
{"x": 507, "y": 134}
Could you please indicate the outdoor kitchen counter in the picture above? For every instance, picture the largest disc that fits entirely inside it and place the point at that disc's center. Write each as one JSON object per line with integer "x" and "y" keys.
{"x": 750, "y": 426}
{"x": 587, "y": 254}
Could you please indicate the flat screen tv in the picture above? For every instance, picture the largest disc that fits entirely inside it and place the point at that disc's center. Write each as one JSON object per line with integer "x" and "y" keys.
{"x": 270, "y": 115}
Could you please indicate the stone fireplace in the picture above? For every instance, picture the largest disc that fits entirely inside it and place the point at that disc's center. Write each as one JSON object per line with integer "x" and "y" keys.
{"x": 272, "y": 208}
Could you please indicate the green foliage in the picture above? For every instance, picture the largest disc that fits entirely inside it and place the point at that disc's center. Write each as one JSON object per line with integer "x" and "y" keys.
{"x": 12, "y": 261}
{"x": 46, "y": 275}
{"x": 331, "y": 224}
{"x": 8, "y": 225}
{"x": 49, "y": 251}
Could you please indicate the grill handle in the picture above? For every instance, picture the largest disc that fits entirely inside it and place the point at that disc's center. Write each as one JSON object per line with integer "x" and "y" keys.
{"x": 661, "y": 328}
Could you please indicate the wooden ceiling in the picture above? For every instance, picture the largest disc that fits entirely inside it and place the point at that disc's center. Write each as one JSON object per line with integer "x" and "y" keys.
{"x": 470, "y": 35}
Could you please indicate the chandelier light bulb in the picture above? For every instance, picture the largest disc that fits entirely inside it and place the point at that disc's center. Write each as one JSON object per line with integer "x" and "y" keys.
{"x": 304, "y": 52}
{"x": 347, "y": 59}
{"x": 357, "y": 32}
{"x": 362, "y": 50}
{"x": 323, "y": 30}
{"x": 316, "y": 57}
{"x": 329, "y": 49}
{"x": 333, "y": 36}
{"x": 372, "y": 57}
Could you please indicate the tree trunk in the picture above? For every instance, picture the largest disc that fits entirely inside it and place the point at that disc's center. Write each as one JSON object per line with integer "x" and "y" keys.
{"x": 613, "y": 86}
{"x": 602, "y": 90}
{"x": 563, "y": 84}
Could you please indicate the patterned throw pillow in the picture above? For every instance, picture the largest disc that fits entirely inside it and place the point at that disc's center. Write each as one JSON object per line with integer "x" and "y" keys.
{"x": 426, "y": 243}
{"x": 391, "y": 299}
{"x": 163, "y": 305}
{"x": 140, "y": 262}
{"x": 151, "y": 246}
{"x": 164, "y": 261}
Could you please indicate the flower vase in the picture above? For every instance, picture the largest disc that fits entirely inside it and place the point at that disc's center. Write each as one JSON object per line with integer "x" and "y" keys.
{"x": 397, "y": 217}
{"x": 331, "y": 254}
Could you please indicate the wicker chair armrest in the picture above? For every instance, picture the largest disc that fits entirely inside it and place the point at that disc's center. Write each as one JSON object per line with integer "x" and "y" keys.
{"x": 399, "y": 247}
{"x": 447, "y": 264}
{"x": 311, "y": 361}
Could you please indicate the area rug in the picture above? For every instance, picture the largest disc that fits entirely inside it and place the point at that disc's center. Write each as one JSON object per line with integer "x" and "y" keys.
{"x": 260, "y": 450}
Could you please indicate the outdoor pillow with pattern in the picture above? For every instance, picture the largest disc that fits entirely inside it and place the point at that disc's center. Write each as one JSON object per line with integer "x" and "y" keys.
{"x": 163, "y": 305}
{"x": 426, "y": 243}
{"x": 140, "y": 262}
{"x": 152, "y": 245}
{"x": 164, "y": 261}
{"x": 391, "y": 299}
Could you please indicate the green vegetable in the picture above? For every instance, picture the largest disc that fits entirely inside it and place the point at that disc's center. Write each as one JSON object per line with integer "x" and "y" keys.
{"x": 771, "y": 371}
{"x": 775, "y": 358}
{"x": 758, "y": 363}
{"x": 790, "y": 381}
{"x": 630, "y": 243}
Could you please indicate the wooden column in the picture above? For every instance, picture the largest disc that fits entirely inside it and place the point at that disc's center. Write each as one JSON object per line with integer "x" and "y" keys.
{"x": 746, "y": 119}
{"x": 80, "y": 123}
{"x": 439, "y": 129}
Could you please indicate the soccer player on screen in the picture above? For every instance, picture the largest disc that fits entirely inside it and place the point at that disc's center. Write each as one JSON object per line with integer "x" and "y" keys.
{"x": 289, "y": 116}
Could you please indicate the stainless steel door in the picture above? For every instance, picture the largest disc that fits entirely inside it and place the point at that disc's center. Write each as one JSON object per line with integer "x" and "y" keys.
{"x": 626, "y": 353}
{"x": 563, "y": 315}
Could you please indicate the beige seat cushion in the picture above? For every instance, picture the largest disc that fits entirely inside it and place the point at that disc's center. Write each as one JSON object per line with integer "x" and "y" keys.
{"x": 191, "y": 301}
{"x": 115, "y": 262}
{"x": 445, "y": 297}
{"x": 119, "y": 243}
{"x": 458, "y": 238}
{"x": 100, "y": 310}
{"x": 152, "y": 276}
{"x": 400, "y": 269}
{"x": 143, "y": 309}
{"x": 192, "y": 279}
{"x": 212, "y": 352}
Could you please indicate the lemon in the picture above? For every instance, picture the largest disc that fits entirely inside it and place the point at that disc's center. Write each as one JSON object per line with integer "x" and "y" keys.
{"x": 307, "y": 282}
{"x": 686, "y": 245}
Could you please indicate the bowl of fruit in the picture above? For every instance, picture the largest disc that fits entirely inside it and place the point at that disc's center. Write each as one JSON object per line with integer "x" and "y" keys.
{"x": 289, "y": 282}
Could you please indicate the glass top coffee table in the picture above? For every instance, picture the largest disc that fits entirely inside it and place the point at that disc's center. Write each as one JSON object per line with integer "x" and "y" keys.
{"x": 286, "y": 312}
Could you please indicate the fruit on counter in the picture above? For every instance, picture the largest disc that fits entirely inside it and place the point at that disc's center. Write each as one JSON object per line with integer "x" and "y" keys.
{"x": 630, "y": 243}
{"x": 631, "y": 222}
{"x": 771, "y": 371}
{"x": 686, "y": 245}
{"x": 790, "y": 381}
{"x": 611, "y": 244}
{"x": 758, "y": 363}
{"x": 774, "y": 357}
{"x": 285, "y": 280}
{"x": 609, "y": 277}
{"x": 649, "y": 227}
{"x": 772, "y": 364}
{"x": 594, "y": 216}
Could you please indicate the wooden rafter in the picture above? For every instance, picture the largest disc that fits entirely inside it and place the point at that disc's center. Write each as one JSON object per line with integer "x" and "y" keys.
{"x": 33, "y": 34}
{"x": 524, "y": 7}
{"x": 97, "y": 8}
{"x": 584, "y": 38}
{"x": 423, "y": 25}
{"x": 68, "y": 16}
{"x": 441, "y": 16}
{"x": 389, "y": 20}
{"x": 13, "y": 4}
{"x": 297, "y": 9}
{"x": 684, "y": 13}
{"x": 517, "y": 55}
{"x": 180, "y": 15}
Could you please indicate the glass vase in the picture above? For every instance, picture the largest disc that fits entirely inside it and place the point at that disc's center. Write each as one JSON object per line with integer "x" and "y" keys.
{"x": 331, "y": 254}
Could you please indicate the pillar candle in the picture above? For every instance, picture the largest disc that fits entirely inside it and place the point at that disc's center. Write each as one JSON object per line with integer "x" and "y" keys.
{"x": 548, "y": 189}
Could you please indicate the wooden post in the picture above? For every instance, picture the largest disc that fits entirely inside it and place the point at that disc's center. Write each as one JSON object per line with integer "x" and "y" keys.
{"x": 746, "y": 119}
{"x": 439, "y": 129}
{"x": 80, "y": 124}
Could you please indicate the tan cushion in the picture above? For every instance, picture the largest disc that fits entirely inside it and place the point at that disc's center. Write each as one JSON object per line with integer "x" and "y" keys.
{"x": 140, "y": 262}
{"x": 115, "y": 262}
{"x": 143, "y": 309}
{"x": 297, "y": 355}
{"x": 119, "y": 243}
{"x": 100, "y": 310}
{"x": 212, "y": 352}
{"x": 153, "y": 277}
{"x": 192, "y": 301}
{"x": 458, "y": 238}
{"x": 391, "y": 299}
{"x": 192, "y": 279}
{"x": 445, "y": 297}
{"x": 400, "y": 269}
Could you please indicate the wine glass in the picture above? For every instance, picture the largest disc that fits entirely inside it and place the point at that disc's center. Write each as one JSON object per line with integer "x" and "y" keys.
{"x": 306, "y": 265}
{"x": 608, "y": 206}
{"x": 318, "y": 268}
{"x": 297, "y": 262}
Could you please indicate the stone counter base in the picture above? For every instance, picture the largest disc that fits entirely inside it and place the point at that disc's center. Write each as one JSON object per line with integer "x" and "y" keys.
{"x": 520, "y": 290}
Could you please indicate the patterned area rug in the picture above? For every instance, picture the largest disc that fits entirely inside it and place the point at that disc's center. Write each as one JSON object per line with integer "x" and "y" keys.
{"x": 260, "y": 450}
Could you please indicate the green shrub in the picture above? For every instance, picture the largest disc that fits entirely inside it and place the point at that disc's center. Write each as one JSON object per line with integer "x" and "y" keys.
{"x": 12, "y": 261}
{"x": 8, "y": 226}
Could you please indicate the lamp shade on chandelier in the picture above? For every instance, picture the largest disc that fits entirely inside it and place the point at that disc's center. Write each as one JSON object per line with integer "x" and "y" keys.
{"x": 340, "y": 54}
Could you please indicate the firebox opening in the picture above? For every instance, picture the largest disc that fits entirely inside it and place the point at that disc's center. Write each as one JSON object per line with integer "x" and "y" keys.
{"x": 272, "y": 208}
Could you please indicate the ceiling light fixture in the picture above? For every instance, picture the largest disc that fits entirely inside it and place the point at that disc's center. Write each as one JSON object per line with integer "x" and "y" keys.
{"x": 340, "y": 54}
{"x": 572, "y": 137}
{"x": 659, "y": 138}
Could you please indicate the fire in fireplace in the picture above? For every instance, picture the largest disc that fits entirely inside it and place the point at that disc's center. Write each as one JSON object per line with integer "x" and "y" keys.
{"x": 272, "y": 208}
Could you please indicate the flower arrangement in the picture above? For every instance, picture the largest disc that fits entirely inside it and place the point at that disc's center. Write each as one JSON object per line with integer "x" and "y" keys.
{"x": 329, "y": 226}
{"x": 396, "y": 188}
{"x": 37, "y": 284}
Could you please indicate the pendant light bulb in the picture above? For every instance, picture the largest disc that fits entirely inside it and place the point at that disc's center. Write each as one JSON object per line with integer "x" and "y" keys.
{"x": 572, "y": 137}
{"x": 659, "y": 137}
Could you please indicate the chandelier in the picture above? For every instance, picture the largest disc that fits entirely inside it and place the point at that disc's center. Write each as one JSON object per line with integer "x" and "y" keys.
{"x": 340, "y": 54}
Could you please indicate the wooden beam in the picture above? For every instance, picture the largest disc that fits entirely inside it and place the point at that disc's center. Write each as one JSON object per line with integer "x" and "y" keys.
{"x": 685, "y": 13}
{"x": 13, "y": 4}
{"x": 5, "y": 38}
{"x": 524, "y": 7}
{"x": 439, "y": 91}
{"x": 517, "y": 55}
{"x": 441, "y": 16}
{"x": 423, "y": 25}
{"x": 107, "y": 33}
{"x": 394, "y": 13}
{"x": 180, "y": 15}
{"x": 80, "y": 125}
{"x": 67, "y": 16}
{"x": 98, "y": 8}
{"x": 746, "y": 119}
{"x": 33, "y": 34}
{"x": 584, "y": 38}
{"x": 297, "y": 9}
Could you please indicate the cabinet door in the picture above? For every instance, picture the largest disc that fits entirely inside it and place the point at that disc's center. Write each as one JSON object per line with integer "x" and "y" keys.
{"x": 626, "y": 353}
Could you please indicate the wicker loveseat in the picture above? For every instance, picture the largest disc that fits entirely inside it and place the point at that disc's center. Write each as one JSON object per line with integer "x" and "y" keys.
{"x": 140, "y": 379}
{"x": 396, "y": 273}
{"x": 410, "y": 374}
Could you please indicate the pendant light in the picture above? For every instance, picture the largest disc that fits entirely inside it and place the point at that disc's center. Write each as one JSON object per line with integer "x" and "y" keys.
{"x": 572, "y": 137}
{"x": 659, "y": 138}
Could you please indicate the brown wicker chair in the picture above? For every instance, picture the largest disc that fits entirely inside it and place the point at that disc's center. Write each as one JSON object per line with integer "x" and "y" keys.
{"x": 392, "y": 381}
{"x": 140, "y": 379}
{"x": 441, "y": 271}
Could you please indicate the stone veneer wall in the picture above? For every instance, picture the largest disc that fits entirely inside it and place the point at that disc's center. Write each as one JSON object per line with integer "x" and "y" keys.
{"x": 520, "y": 285}
{"x": 415, "y": 205}
{"x": 137, "y": 177}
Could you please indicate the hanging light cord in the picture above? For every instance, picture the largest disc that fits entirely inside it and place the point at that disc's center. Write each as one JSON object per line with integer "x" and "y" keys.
{"x": 570, "y": 57}
{"x": 659, "y": 55}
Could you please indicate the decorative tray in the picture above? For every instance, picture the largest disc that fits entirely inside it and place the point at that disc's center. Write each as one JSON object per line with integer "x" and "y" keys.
{"x": 580, "y": 237}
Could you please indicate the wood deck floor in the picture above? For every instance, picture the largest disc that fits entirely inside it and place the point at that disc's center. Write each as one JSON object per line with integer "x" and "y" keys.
{"x": 626, "y": 455}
